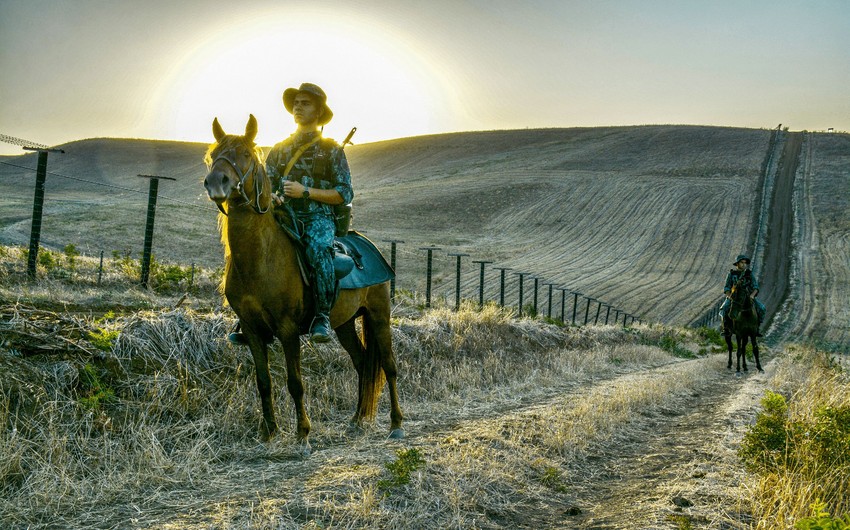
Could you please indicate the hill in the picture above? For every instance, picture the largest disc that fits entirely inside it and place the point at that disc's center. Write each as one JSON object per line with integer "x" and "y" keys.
{"x": 644, "y": 218}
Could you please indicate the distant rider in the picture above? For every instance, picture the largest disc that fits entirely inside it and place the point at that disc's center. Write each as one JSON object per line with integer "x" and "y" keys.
{"x": 742, "y": 264}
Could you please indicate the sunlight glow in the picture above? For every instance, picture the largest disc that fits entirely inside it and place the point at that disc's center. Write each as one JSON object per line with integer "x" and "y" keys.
{"x": 373, "y": 79}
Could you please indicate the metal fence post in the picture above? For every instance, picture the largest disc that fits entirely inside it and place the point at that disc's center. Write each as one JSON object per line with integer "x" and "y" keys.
{"x": 100, "y": 269}
{"x": 502, "y": 284}
{"x": 576, "y": 294}
{"x": 598, "y": 310}
{"x": 457, "y": 277}
{"x": 146, "y": 255}
{"x": 521, "y": 276}
{"x": 481, "y": 282}
{"x": 392, "y": 243}
{"x": 563, "y": 301}
{"x": 37, "y": 207}
{"x": 587, "y": 309}
{"x": 607, "y": 314}
{"x": 549, "y": 310}
{"x": 428, "y": 275}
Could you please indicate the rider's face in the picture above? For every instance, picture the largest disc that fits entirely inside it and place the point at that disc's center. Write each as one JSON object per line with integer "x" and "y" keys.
{"x": 304, "y": 110}
{"x": 742, "y": 265}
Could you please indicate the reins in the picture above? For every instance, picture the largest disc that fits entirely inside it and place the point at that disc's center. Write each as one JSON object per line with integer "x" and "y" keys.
{"x": 252, "y": 171}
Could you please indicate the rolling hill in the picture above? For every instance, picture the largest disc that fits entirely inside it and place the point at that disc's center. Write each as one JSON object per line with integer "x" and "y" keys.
{"x": 647, "y": 219}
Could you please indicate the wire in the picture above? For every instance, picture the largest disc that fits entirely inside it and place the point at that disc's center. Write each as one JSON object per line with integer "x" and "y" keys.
{"x": 105, "y": 185}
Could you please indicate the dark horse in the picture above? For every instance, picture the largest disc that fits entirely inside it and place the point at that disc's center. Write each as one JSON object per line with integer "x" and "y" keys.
{"x": 744, "y": 324}
{"x": 263, "y": 284}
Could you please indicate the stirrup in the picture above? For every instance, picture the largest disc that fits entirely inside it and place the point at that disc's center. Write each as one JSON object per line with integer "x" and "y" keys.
{"x": 320, "y": 330}
{"x": 237, "y": 338}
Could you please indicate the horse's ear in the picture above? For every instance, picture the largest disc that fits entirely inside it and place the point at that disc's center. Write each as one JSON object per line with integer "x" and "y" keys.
{"x": 251, "y": 129}
{"x": 218, "y": 132}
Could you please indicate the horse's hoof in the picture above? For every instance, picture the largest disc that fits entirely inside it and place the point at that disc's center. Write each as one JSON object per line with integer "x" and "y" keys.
{"x": 396, "y": 434}
{"x": 761, "y": 371}
{"x": 738, "y": 373}
{"x": 746, "y": 369}
{"x": 304, "y": 449}
{"x": 729, "y": 366}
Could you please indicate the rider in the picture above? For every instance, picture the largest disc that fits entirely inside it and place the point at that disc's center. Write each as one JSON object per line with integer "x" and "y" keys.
{"x": 312, "y": 173}
{"x": 742, "y": 263}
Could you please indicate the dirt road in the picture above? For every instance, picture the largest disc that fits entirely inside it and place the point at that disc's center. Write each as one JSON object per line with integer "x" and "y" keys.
{"x": 682, "y": 465}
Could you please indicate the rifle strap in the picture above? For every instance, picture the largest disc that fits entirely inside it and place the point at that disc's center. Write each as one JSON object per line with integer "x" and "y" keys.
{"x": 298, "y": 153}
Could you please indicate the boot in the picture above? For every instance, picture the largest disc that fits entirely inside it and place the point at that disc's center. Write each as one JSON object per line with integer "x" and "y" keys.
{"x": 320, "y": 331}
{"x": 236, "y": 337}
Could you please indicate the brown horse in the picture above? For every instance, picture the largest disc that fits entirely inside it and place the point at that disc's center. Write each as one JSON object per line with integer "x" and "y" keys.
{"x": 745, "y": 322}
{"x": 263, "y": 285}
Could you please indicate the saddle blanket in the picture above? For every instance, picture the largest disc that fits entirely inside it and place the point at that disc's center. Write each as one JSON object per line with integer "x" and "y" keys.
{"x": 370, "y": 267}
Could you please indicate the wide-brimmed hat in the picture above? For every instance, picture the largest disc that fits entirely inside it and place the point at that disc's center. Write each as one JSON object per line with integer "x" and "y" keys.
{"x": 742, "y": 257}
{"x": 314, "y": 90}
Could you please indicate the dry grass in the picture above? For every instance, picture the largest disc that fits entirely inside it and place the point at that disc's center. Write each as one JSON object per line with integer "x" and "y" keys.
{"x": 159, "y": 430}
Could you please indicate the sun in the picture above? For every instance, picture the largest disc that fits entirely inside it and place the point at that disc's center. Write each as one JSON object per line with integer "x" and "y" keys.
{"x": 374, "y": 80}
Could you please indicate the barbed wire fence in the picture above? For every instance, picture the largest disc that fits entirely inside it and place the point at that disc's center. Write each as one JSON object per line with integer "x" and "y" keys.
{"x": 442, "y": 276}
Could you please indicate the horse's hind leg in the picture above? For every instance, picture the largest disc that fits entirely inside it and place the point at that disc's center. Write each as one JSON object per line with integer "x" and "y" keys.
{"x": 348, "y": 338}
{"x": 756, "y": 354}
{"x": 382, "y": 337}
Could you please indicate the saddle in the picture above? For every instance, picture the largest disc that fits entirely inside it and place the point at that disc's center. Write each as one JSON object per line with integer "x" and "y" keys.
{"x": 357, "y": 261}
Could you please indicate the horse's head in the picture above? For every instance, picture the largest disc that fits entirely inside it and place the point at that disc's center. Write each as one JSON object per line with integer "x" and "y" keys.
{"x": 236, "y": 169}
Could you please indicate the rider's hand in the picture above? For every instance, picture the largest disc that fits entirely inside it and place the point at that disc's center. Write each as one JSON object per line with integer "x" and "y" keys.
{"x": 293, "y": 189}
{"x": 277, "y": 199}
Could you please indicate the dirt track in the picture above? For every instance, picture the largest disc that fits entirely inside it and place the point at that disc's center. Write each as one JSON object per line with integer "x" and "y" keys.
{"x": 684, "y": 461}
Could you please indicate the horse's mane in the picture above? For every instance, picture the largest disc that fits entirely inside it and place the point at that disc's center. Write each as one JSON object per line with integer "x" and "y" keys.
{"x": 228, "y": 142}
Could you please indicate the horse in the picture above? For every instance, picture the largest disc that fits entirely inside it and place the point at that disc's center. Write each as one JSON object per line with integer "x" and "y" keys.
{"x": 744, "y": 319}
{"x": 264, "y": 286}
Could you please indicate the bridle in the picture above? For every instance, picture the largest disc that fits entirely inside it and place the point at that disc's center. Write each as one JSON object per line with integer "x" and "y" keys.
{"x": 252, "y": 171}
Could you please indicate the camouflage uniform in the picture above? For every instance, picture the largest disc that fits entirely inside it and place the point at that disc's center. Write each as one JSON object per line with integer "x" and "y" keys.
{"x": 750, "y": 282}
{"x": 315, "y": 219}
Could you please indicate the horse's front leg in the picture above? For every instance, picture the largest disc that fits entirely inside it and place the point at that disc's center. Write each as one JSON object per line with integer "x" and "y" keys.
{"x": 728, "y": 337}
{"x": 292, "y": 351}
{"x": 259, "y": 351}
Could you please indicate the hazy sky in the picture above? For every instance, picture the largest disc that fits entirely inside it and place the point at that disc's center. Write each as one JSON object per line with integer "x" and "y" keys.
{"x": 164, "y": 69}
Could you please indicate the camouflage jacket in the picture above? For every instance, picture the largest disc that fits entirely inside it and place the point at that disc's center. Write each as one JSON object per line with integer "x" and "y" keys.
{"x": 323, "y": 165}
{"x": 734, "y": 275}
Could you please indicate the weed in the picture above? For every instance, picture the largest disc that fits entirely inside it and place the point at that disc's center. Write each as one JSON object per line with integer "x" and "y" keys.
{"x": 821, "y": 520}
{"x": 551, "y": 478}
{"x": 763, "y": 446}
{"x": 408, "y": 460}
{"x": 711, "y": 336}
{"x": 93, "y": 393}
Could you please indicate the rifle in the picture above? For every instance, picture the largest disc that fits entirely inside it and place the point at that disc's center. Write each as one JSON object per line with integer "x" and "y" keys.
{"x": 348, "y": 138}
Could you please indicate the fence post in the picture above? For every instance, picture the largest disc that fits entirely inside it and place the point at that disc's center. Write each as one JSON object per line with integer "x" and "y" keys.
{"x": 392, "y": 243}
{"x": 502, "y": 284}
{"x": 428, "y": 275}
{"x": 457, "y": 277}
{"x": 100, "y": 269}
{"x": 598, "y": 310}
{"x": 576, "y": 294}
{"x": 192, "y": 277}
{"x": 549, "y": 310}
{"x": 563, "y": 301}
{"x": 587, "y": 309}
{"x": 607, "y": 314}
{"x": 146, "y": 255}
{"x": 534, "y": 305}
{"x": 481, "y": 282}
{"x": 37, "y": 207}
{"x": 624, "y": 318}
{"x": 521, "y": 276}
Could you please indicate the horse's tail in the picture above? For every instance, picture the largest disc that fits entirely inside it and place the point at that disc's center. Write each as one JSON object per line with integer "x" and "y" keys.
{"x": 372, "y": 376}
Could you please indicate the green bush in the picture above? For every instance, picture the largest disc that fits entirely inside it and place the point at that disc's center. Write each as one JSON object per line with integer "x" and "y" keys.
{"x": 92, "y": 392}
{"x": 408, "y": 460}
{"x": 821, "y": 520}
{"x": 764, "y": 445}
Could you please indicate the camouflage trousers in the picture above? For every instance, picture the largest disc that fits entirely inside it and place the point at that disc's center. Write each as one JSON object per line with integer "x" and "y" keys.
{"x": 318, "y": 238}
